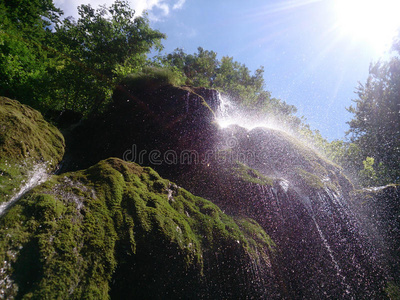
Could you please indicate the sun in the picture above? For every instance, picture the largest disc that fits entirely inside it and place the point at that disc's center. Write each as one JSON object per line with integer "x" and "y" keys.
{"x": 374, "y": 21}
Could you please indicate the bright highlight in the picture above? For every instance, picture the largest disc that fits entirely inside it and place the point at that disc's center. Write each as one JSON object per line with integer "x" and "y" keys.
{"x": 375, "y": 21}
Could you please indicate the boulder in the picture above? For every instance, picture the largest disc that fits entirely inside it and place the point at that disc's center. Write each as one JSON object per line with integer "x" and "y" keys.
{"x": 26, "y": 140}
{"x": 119, "y": 230}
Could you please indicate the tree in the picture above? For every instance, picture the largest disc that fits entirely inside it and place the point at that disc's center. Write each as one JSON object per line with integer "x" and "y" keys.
{"x": 99, "y": 48}
{"x": 199, "y": 68}
{"x": 233, "y": 78}
{"x": 368, "y": 174}
{"x": 24, "y": 53}
{"x": 375, "y": 127}
{"x": 30, "y": 16}
{"x": 68, "y": 64}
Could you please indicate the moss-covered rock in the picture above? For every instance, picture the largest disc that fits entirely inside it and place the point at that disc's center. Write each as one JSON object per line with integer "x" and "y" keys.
{"x": 25, "y": 140}
{"x": 150, "y": 78}
{"x": 295, "y": 194}
{"x": 301, "y": 200}
{"x": 120, "y": 230}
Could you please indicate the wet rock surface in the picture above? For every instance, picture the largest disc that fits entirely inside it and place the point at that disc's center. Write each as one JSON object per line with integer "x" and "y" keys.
{"x": 283, "y": 222}
{"x": 111, "y": 230}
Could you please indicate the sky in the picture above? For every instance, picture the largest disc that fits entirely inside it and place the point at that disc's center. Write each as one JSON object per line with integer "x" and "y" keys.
{"x": 314, "y": 52}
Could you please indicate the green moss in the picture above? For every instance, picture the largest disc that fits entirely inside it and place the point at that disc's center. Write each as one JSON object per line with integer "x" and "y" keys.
{"x": 258, "y": 236}
{"x": 116, "y": 222}
{"x": 11, "y": 175}
{"x": 310, "y": 180}
{"x": 203, "y": 101}
{"x": 247, "y": 174}
{"x": 260, "y": 243}
{"x": 150, "y": 78}
{"x": 26, "y": 134}
{"x": 25, "y": 139}
{"x": 393, "y": 291}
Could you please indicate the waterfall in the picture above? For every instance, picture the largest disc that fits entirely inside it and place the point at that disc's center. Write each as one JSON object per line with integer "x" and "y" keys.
{"x": 323, "y": 245}
{"x": 347, "y": 256}
{"x": 333, "y": 259}
{"x": 36, "y": 176}
{"x": 228, "y": 113}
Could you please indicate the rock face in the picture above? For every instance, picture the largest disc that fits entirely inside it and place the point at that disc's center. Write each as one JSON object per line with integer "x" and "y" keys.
{"x": 303, "y": 202}
{"x": 296, "y": 195}
{"x": 26, "y": 139}
{"x": 166, "y": 118}
{"x": 380, "y": 211}
{"x": 120, "y": 230}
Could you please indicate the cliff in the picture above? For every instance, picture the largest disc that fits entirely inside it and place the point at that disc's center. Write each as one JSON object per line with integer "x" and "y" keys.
{"x": 279, "y": 220}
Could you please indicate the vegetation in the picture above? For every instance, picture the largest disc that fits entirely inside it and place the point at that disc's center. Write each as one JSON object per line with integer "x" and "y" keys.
{"x": 25, "y": 139}
{"x": 372, "y": 153}
{"x": 75, "y": 64}
{"x": 204, "y": 69}
{"x": 381, "y": 210}
{"x": 375, "y": 127}
{"x": 246, "y": 174}
{"x": 370, "y": 156}
{"x": 152, "y": 77}
{"x": 26, "y": 134}
{"x": 70, "y": 64}
{"x": 54, "y": 63}
{"x": 393, "y": 291}
{"x": 25, "y": 58}
{"x": 118, "y": 228}
{"x": 310, "y": 180}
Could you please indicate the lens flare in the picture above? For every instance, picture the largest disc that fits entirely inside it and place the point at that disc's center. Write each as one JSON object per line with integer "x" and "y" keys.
{"x": 374, "y": 21}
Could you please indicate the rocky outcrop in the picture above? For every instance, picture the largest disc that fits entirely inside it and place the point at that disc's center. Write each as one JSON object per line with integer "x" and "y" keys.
{"x": 142, "y": 127}
{"x": 301, "y": 200}
{"x": 296, "y": 195}
{"x": 379, "y": 208}
{"x": 120, "y": 230}
{"x": 26, "y": 140}
{"x": 116, "y": 229}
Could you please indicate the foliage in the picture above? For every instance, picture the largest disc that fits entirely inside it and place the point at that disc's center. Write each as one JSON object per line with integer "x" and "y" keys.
{"x": 24, "y": 60}
{"x": 30, "y": 15}
{"x": 101, "y": 43}
{"x": 375, "y": 127}
{"x": 151, "y": 77}
{"x": 68, "y": 64}
{"x": 348, "y": 155}
{"x": 204, "y": 69}
{"x": 199, "y": 69}
{"x": 368, "y": 174}
{"x": 77, "y": 63}
{"x": 72, "y": 64}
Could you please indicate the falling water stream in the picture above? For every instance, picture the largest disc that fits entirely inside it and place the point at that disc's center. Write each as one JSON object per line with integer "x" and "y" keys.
{"x": 335, "y": 224}
{"x": 229, "y": 114}
{"x": 36, "y": 176}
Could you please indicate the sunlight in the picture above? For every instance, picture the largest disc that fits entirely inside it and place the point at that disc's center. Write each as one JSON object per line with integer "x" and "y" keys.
{"x": 374, "y": 21}
{"x": 229, "y": 114}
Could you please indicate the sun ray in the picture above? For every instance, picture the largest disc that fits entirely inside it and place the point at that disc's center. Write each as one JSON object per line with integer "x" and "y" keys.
{"x": 374, "y": 21}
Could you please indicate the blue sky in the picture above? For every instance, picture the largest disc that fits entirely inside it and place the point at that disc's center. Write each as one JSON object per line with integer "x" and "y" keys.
{"x": 310, "y": 60}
